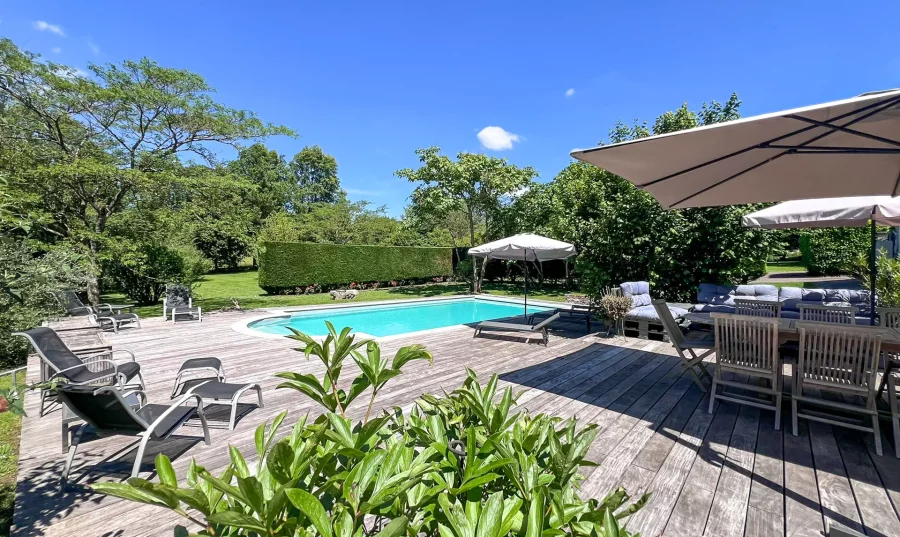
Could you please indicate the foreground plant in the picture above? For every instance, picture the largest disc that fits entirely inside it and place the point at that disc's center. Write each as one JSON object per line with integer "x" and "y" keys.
{"x": 461, "y": 465}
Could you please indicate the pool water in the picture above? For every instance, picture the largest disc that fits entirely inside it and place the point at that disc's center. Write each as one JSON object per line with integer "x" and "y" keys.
{"x": 390, "y": 320}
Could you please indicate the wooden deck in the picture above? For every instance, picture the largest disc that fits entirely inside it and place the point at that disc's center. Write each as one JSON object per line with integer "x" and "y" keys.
{"x": 725, "y": 474}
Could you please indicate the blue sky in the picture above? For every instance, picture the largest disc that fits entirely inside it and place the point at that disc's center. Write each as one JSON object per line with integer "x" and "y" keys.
{"x": 372, "y": 81}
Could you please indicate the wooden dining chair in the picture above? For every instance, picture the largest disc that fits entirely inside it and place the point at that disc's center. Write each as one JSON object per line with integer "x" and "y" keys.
{"x": 828, "y": 314}
{"x": 747, "y": 345}
{"x": 890, "y": 318}
{"x": 757, "y": 308}
{"x": 841, "y": 359}
{"x": 692, "y": 352}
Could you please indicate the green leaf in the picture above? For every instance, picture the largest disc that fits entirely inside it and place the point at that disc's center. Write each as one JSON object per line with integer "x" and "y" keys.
{"x": 238, "y": 462}
{"x": 491, "y": 517}
{"x": 341, "y": 427}
{"x": 127, "y": 492}
{"x": 312, "y": 508}
{"x": 252, "y": 490}
{"x": 395, "y": 528}
{"x": 238, "y": 520}
{"x": 475, "y": 482}
{"x": 165, "y": 471}
{"x": 610, "y": 525}
{"x": 535, "y": 524}
{"x": 280, "y": 461}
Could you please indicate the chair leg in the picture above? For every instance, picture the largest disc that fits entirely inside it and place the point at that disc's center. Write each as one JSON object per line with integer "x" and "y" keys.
{"x": 203, "y": 423}
{"x": 778, "y": 397}
{"x": 63, "y": 480}
{"x": 895, "y": 412}
{"x": 139, "y": 456}
{"x": 259, "y": 396}
{"x": 712, "y": 396}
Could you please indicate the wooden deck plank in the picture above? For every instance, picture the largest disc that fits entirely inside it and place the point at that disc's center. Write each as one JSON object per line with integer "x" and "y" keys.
{"x": 878, "y": 515}
{"x": 835, "y": 493}
{"x": 765, "y": 512}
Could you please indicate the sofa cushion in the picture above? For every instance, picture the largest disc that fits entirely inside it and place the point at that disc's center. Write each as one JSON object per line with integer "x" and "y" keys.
{"x": 710, "y": 293}
{"x": 649, "y": 313}
{"x": 714, "y": 308}
{"x": 638, "y": 292}
{"x": 757, "y": 292}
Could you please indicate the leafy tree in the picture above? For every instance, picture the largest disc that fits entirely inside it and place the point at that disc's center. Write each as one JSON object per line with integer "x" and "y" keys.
{"x": 315, "y": 177}
{"x": 475, "y": 184}
{"x": 97, "y": 144}
{"x": 270, "y": 174}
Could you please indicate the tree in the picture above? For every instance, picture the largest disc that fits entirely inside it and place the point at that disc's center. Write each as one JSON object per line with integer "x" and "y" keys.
{"x": 475, "y": 183}
{"x": 270, "y": 174}
{"x": 99, "y": 144}
{"x": 315, "y": 177}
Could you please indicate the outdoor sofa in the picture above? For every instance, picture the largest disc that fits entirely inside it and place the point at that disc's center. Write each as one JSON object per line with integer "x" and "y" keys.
{"x": 713, "y": 298}
{"x": 642, "y": 319}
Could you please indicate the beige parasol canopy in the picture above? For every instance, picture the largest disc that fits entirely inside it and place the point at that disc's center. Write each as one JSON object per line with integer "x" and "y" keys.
{"x": 836, "y": 149}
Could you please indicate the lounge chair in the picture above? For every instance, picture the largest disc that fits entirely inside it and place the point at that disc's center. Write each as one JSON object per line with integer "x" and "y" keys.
{"x": 179, "y": 303}
{"x": 107, "y": 412}
{"x": 518, "y": 329}
{"x": 71, "y": 302}
{"x": 214, "y": 389}
{"x": 105, "y": 321}
{"x": 61, "y": 364}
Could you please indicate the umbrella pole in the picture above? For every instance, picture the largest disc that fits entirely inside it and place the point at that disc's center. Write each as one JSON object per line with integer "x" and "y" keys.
{"x": 873, "y": 270}
{"x": 525, "y": 259}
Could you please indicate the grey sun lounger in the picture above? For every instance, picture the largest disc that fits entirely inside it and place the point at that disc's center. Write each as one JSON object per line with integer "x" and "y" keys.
{"x": 107, "y": 412}
{"x": 516, "y": 328}
{"x": 214, "y": 389}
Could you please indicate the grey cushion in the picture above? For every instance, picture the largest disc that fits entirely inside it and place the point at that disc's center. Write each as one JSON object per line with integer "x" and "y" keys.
{"x": 714, "y": 308}
{"x": 638, "y": 292}
{"x": 714, "y": 294}
{"x": 757, "y": 292}
{"x": 649, "y": 313}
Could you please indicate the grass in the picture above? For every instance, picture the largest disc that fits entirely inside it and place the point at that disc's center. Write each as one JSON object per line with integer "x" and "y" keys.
{"x": 217, "y": 290}
{"x": 785, "y": 266}
{"x": 10, "y": 427}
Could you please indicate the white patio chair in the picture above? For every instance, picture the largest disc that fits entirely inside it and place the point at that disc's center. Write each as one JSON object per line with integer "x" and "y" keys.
{"x": 747, "y": 345}
{"x": 842, "y": 359}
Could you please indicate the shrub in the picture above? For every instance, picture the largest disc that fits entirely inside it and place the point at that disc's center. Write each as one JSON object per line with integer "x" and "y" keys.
{"x": 142, "y": 270}
{"x": 456, "y": 466}
{"x": 614, "y": 308}
{"x": 290, "y": 265}
{"x": 887, "y": 279}
{"x": 833, "y": 251}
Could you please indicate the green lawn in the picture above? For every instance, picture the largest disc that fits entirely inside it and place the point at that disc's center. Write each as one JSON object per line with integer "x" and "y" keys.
{"x": 785, "y": 266}
{"x": 217, "y": 290}
{"x": 10, "y": 425}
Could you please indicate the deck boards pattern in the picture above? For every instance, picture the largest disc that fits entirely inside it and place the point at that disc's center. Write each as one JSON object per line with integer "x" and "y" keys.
{"x": 725, "y": 474}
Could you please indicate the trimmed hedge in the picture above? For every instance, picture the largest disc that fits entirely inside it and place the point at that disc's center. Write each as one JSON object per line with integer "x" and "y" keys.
{"x": 287, "y": 265}
{"x": 833, "y": 251}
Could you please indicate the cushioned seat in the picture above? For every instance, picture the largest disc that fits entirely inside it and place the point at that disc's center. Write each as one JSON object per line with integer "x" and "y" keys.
{"x": 639, "y": 293}
{"x": 649, "y": 313}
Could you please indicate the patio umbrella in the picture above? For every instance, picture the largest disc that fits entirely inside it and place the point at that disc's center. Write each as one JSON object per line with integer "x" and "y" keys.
{"x": 525, "y": 247}
{"x": 836, "y": 149}
{"x": 832, "y": 212}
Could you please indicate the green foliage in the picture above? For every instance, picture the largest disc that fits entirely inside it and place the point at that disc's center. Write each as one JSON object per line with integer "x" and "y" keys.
{"x": 474, "y": 185}
{"x": 28, "y": 279}
{"x": 268, "y": 172}
{"x": 315, "y": 177}
{"x": 834, "y": 251}
{"x": 463, "y": 465}
{"x": 887, "y": 278}
{"x": 289, "y": 265}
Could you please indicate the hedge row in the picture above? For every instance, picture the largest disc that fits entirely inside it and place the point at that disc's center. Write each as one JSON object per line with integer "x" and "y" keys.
{"x": 288, "y": 265}
{"x": 833, "y": 251}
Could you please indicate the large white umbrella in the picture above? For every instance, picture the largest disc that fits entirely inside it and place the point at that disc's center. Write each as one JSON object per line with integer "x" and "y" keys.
{"x": 524, "y": 247}
{"x": 832, "y": 212}
{"x": 836, "y": 149}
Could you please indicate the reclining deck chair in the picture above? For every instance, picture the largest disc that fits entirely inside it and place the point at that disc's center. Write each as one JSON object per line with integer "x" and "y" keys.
{"x": 106, "y": 412}
{"x": 518, "y": 329}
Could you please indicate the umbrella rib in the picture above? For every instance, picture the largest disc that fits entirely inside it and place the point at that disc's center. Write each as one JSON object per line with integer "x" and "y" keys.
{"x": 835, "y": 149}
{"x": 845, "y": 129}
{"x": 886, "y": 104}
{"x": 776, "y": 139}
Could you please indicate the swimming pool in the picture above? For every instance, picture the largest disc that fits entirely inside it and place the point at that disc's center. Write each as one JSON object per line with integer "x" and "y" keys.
{"x": 393, "y": 319}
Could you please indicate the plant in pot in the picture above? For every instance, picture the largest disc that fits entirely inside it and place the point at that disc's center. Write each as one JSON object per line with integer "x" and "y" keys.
{"x": 614, "y": 308}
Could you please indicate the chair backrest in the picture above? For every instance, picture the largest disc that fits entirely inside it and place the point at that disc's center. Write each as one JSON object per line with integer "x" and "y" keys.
{"x": 757, "y": 308}
{"x": 840, "y": 356}
{"x": 55, "y": 353}
{"x": 748, "y": 342}
{"x": 668, "y": 322}
{"x": 638, "y": 292}
{"x": 177, "y": 294}
{"x": 888, "y": 317}
{"x": 828, "y": 314}
{"x": 103, "y": 408}
{"x": 71, "y": 302}
{"x": 546, "y": 321}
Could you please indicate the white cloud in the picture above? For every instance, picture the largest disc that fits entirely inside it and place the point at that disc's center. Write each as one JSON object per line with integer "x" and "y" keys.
{"x": 45, "y": 26}
{"x": 95, "y": 48}
{"x": 497, "y": 139}
{"x": 570, "y": 92}
{"x": 56, "y": 50}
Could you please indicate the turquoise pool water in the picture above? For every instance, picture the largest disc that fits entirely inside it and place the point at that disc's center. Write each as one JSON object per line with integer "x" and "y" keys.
{"x": 389, "y": 320}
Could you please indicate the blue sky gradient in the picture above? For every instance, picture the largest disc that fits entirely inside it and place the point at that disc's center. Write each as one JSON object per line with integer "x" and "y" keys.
{"x": 370, "y": 82}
